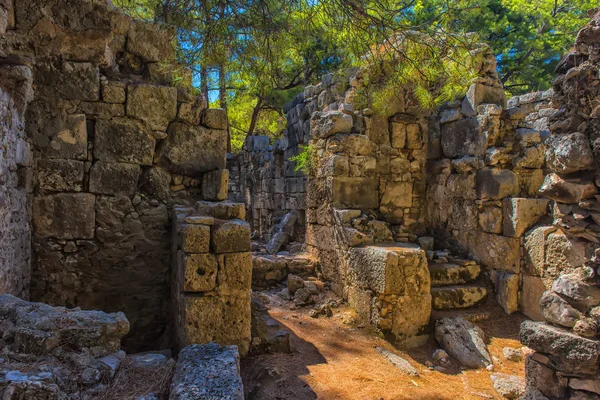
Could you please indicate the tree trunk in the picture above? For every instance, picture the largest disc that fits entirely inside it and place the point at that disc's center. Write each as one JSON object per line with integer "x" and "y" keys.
{"x": 204, "y": 81}
{"x": 255, "y": 114}
{"x": 223, "y": 100}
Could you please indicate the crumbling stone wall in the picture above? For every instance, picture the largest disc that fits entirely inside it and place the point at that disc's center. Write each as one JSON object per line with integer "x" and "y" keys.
{"x": 565, "y": 252}
{"x": 15, "y": 182}
{"x": 115, "y": 145}
{"x": 265, "y": 179}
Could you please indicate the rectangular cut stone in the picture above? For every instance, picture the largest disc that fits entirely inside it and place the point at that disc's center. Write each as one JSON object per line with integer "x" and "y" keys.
{"x": 64, "y": 216}
{"x": 521, "y": 214}
{"x": 215, "y": 185}
{"x": 192, "y": 150}
{"x": 207, "y": 372}
{"x": 231, "y": 236}
{"x": 114, "y": 178}
{"x": 357, "y": 193}
{"x": 195, "y": 238}
{"x": 69, "y": 137}
{"x": 395, "y": 197}
{"x": 235, "y": 272}
{"x": 215, "y": 118}
{"x": 155, "y": 105}
{"x": 398, "y": 135}
{"x": 123, "y": 140}
{"x": 224, "y": 320}
{"x": 409, "y": 320}
{"x": 497, "y": 252}
{"x": 463, "y": 138}
{"x": 398, "y": 270}
{"x": 60, "y": 175}
{"x": 496, "y": 183}
{"x": 200, "y": 272}
{"x": 73, "y": 81}
{"x": 222, "y": 210}
{"x": 568, "y": 351}
{"x": 506, "y": 286}
{"x": 113, "y": 92}
{"x": 532, "y": 289}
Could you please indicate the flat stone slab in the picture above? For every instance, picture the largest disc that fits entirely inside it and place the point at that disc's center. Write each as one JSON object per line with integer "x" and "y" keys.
{"x": 452, "y": 274}
{"x": 207, "y": 372}
{"x": 460, "y": 296}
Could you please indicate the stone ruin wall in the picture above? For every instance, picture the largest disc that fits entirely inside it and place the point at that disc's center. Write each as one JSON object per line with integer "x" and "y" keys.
{"x": 114, "y": 147}
{"x": 15, "y": 182}
{"x": 263, "y": 177}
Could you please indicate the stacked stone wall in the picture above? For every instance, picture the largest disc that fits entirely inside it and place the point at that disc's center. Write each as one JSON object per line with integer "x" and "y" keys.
{"x": 563, "y": 254}
{"x": 212, "y": 275}
{"x": 115, "y": 145}
{"x": 15, "y": 182}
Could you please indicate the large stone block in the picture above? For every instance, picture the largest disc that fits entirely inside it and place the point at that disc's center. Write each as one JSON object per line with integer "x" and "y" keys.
{"x": 479, "y": 93}
{"x": 59, "y": 135}
{"x": 496, "y": 183}
{"x": 532, "y": 290}
{"x": 60, "y": 175}
{"x": 544, "y": 379}
{"x": 200, "y": 272}
{"x": 569, "y": 153}
{"x": 224, "y": 320}
{"x": 151, "y": 42}
{"x": 192, "y": 150}
{"x": 64, "y": 216}
{"x": 215, "y": 185}
{"x": 155, "y": 105}
{"x": 195, "y": 238}
{"x": 330, "y": 123}
{"x": 356, "y": 193}
{"x": 568, "y": 351}
{"x": 398, "y": 270}
{"x": 497, "y": 252}
{"x": 207, "y": 372}
{"x": 410, "y": 317}
{"x": 215, "y": 118}
{"x": 123, "y": 140}
{"x": 70, "y": 81}
{"x": 463, "y": 138}
{"x": 222, "y": 210}
{"x": 235, "y": 273}
{"x": 521, "y": 214}
{"x": 548, "y": 252}
{"x": 114, "y": 178}
{"x": 396, "y": 196}
{"x": 565, "y": 191}
{"x": 231, "y": 236}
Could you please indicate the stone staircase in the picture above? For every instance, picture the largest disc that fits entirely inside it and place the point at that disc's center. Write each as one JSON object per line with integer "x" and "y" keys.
{"x": 455, "y": 283}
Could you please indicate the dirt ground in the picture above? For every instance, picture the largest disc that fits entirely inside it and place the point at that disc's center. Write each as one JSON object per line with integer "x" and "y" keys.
{"x": 335, "y": 359}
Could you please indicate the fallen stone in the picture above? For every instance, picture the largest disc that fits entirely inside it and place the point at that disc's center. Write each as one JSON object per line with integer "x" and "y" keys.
{"x": 294, "y": 283}
{"x": 577, "y": 291}
{"x": 303, "y": 297}
{"x": 207, "y": 372}
{"x": 564, "y": 191}
{"x": 508, "y": 386}
{"x": 398, "y": 361}
{"x": 463, "y": 341}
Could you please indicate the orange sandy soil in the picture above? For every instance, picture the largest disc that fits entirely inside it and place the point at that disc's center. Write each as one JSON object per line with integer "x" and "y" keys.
{"x": 334, "y": 359}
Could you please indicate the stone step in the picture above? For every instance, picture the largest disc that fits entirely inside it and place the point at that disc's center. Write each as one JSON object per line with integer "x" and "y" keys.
{"x": 458, "y": 296}
{"x": 452, "y": 274}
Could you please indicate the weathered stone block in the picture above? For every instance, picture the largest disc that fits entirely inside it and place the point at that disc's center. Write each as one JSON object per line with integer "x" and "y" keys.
{"x": 568, "y": 351}
{"x": 200, "y": 272}
{"x": 544, "y": 379}
{"x": 215, "y": 185}
{"x": 506, "y": 286}
{"x": 398, "y": 135}
{"x": 496, "y": 183}
{"x": 490, "y": 219}
{"x": 557, "y": 310}
{"x": 325, "y": 124}
{"x": 498, "y": 252}
{"x": 564, "y": 191}
{"x": 521, "y": 214}
{"x": 224, "y": 320}
{"x": 356, "y": 193}
{"x": 101, "y": 110}
{"x": 410, "y": 316}
{"x": 215, "y": 118}
{"x": 482, "y": 94}
{"x": 155, "y": 105}
{"x": 463, "y": 138}
{"x": 195, "y": 238}
{"x": 192, "y": 150}
{"x": 64, "y": 216}
{"x": 114, "y": 178}
{"x": 231, "y": 236}
{"x": 578, "y": 292}
{"x": 569, "y": 153}
{"x": 235, "y": 272}
{"x": 151, "y": 42}
{"x": 532, "y": 289}
{"x": 123, "y": 140}
{"x": 113, "y": 92}
{"x": 414, "y": 136}
{"x": 222, "y": 210}
{"x": 73, "y": 81}
{"x": 68, "y": 135}
{"x": 157, "y": 183}
{"x": 60, "y": 175}
{"x": 207, "y": 372}
{"x": 530, "y": 181}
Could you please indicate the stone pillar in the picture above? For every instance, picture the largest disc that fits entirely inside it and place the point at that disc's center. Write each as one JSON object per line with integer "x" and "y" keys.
{"x": 212, "y": 275}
